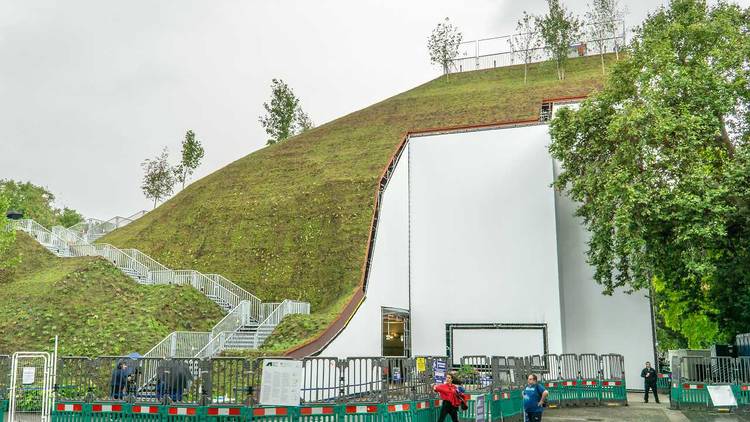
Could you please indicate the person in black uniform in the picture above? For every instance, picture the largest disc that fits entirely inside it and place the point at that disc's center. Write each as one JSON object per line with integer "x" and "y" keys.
{"x": 649, "y": 382}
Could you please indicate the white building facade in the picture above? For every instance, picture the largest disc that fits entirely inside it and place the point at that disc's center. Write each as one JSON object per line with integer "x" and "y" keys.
{"x": 476, "y": 254}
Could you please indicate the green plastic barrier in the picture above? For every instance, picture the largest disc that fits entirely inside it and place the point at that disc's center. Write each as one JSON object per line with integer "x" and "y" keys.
{"x": 69, "y": 412}
{"x": 220, "y": 413}
{"x": 3, "y": 409}
{"x": 554, "y": 398}
{"x": 588, "y": 392}
{"x": 364, "y": 413}
{"x": 107, "y": 412}
{"x": 613, "y": 393}
{"x": 569, "y": 392}
{"x": 424, "y": 411}
{"x": 742, "y": 394}
{"x": 663, "y": 382}
{"x": 690, "y": 395}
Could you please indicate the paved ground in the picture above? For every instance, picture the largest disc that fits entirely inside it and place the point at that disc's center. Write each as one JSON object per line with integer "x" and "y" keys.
{"x": 638, "y": 411}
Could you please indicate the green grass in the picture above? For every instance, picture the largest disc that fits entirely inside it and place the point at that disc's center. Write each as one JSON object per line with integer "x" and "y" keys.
{"x": 91, "y": 306}
{"x": 292, "y": 220}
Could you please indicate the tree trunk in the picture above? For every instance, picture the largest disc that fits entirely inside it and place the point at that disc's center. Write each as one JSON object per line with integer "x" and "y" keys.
{"x": 154, "y": 202}
{"x": 724, "y": 138}
{"x": 601, "y": 54}
{"x": 525, "y": 71}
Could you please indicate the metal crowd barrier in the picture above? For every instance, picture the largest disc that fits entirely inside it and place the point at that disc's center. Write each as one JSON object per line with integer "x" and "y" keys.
{"x": 361, "y": 389}
{"x": 692, "y": 376}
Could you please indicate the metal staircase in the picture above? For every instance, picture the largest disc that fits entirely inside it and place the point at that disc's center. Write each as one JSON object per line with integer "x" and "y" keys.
{"x": 247, "y": 324}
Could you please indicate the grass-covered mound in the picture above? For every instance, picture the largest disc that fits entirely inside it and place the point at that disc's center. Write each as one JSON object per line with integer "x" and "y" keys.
{"x": 90, "y": 305}
{"x": 292, "y": 220}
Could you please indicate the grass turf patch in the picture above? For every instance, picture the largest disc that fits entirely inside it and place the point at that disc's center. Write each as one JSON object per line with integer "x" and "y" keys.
{"x": 91, "y": 305}
{"x": 292, "y": 220}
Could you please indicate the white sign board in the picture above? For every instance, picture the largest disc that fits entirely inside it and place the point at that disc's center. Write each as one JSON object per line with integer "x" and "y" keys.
{"x": 722, "y": 396}
{"x": 29, "y": 373}
{"x": 281, "y": 382}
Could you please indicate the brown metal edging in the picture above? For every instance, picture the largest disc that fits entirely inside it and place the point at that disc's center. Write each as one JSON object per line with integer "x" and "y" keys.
{"x": 317, "y": 344}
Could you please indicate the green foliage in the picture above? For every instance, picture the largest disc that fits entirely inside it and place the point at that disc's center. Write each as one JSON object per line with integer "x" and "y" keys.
{"x": 295, "y": 329}
{"x": 35, "y": 202}
{"x": 284, "y": 116}
{"x": 69, "y": 217}
{"x": 443, "y": 44}
{"x": 527, "y": 41}
{"x": 658, "y": 162}
{"x": 466, "y": 372}
{"x": 192, "y": 154}
{"x": 92, "y": 306}
{"x": 158, "y": 177}
{"x": 7, "y": 240}
{"x": 292, "y": 220}
{"x": 602, "y": 19}
{"x": 560, "y": 29}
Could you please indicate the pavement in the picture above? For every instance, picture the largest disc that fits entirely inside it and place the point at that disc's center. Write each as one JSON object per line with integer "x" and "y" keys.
{"x": 639, "y": 411}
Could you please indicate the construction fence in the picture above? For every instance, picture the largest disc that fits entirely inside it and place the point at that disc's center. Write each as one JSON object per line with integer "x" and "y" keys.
{"x": 362, "y": 389}
{"x": 692, "y": 377}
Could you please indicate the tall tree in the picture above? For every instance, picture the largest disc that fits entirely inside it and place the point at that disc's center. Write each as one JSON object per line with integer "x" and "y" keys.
{"x": 35, "y": 202}
{"x": 603, "y": 19}
{"x": 443, "y": 45}
{"x": 560, "y": 29}
{"x": 659, "y": 162}
{"x": 303, "y": 121}
{"x": 158, "y": 178}
{"x": 192, "y": 154}
{"x": 526, "y": 41}
{"x": 281, "y": 112}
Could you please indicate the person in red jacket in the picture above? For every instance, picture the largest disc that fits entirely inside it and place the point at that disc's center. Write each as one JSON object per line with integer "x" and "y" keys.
{"x": 451, "y": 398}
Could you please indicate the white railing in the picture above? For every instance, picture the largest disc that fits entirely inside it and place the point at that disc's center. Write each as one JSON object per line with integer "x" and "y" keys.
{"x": 179, "y": 344}
{"x": 94, "y": 228}
{"x": 242, "y": 294}
{"x": 488, "y": 53}
{"x": 266, "y": 327}
{"x": 245, "y": 309}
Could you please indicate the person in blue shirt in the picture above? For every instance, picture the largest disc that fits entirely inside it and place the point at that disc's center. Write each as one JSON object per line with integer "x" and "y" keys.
{"x": 534, "y": 396}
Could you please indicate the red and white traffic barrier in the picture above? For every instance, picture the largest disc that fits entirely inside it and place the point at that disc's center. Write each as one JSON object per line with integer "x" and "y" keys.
{"x": 325, "y": 410}
{"x": 145, "y": 409}
{"x": 106, "y": 408}
{"x": 550, "y": 385}
{"x": 611, "y": 383}
{"x": 423, "y": 405}
{"x": 505, "y": 395}
{"x": 589, "y": 383}
{"x": 404, "y": 407}
{"x": 361, "y": 409}
{"x": 62, "y": 407}
{"x": 745, "y": 388}
{"x": 437, "y": 403}
{"x": 693, "y": 386}
{"x": 224, "y": 411}
{"x": 270, "y": 411}
{"x": 569, "y": 383}
{"x": 181, "y": 411}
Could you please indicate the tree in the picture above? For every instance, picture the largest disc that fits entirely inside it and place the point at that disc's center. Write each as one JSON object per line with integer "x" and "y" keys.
{"x": 603, "y": 19}
{"x": 192, "y": 154}
{"x": 560, "y": 30}
{"x": 443, "y": 45}
{"x": 35, "y": 202}
{"x": 659, "y": 162}
{"x": 7, "y": 238}
{"x": 526, "y": 40}
{"x": 304, "y": 122}
{"x": 158, "y": 177}
{"x": 284, "y": 116}
{"x": 69, "y": 217}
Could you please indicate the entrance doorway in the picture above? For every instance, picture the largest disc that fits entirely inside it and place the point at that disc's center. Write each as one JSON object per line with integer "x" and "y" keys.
{"x": 396, "y": 337}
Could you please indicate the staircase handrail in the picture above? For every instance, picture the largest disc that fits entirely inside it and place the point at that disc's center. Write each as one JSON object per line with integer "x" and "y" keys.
{"x": 242, "y": 294}
{"x": 150, "y": 263}
{"x": 287, "y": 307}
{"x": 179, "y": 344}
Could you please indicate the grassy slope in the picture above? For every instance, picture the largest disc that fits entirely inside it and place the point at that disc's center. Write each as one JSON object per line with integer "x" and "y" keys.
{"x": 291, "y": 220}
{"x": 91, "y": 305}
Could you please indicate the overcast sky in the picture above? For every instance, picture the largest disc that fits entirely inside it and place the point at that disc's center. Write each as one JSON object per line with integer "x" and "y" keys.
{"x": 89, "y": 89}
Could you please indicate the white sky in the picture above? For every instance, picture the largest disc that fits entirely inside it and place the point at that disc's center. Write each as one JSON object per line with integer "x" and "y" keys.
{"x": 89, "y": 89}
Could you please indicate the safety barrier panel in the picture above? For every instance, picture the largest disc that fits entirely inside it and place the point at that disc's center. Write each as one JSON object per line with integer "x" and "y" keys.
{"x": 3, "y": 409}
{"x": 663, "y": 382}
{"x": 692, "y": 376}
